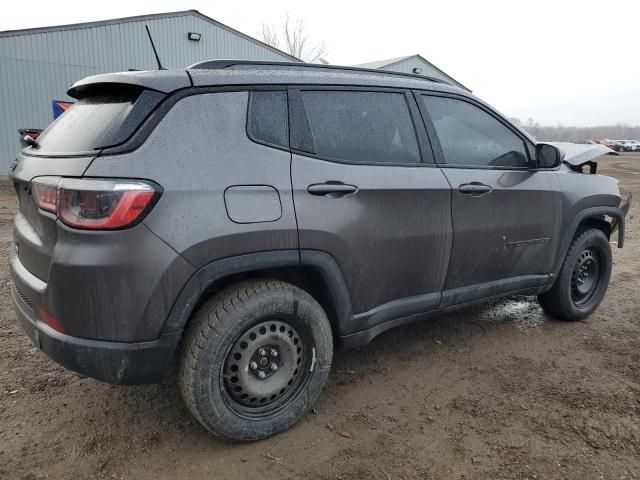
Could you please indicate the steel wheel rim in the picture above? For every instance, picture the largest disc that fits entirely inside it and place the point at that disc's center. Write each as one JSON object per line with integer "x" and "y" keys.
{"x": 585, "y": 278}
{"x": 251, "y": 395}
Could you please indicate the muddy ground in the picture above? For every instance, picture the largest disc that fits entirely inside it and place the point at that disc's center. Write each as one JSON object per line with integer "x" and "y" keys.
{"x": 498, "y": 391}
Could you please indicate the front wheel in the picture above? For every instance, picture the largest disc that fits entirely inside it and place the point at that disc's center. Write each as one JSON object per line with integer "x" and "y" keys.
{"x": 255, "y": 359}
{"x": 583, "y": 278}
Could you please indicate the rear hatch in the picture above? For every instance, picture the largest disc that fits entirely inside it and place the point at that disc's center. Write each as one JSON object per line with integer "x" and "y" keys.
{"x": 103, "y": 117}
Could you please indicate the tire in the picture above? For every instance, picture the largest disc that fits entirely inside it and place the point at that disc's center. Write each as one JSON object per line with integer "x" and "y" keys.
{"x": 583, "y": 278}
{"x": 226, "y": 372}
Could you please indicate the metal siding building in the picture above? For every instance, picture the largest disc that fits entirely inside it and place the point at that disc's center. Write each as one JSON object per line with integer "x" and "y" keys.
{"x": 409, "y": 64}
{"x": 38, "y": 65}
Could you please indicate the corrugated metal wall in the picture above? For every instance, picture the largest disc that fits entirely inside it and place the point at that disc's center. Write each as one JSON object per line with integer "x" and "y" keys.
{"x": 37, "y": 68}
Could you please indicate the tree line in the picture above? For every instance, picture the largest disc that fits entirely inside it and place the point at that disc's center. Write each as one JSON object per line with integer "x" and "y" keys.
{"x": 562, "y": 133}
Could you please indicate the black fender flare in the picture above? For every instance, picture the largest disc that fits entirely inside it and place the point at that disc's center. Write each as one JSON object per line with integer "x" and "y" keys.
{"x": 594, "y": 212}
{"x": 206, "y": 275}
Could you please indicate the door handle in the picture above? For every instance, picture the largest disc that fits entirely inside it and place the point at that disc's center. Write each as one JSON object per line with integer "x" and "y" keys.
{"x": 331, "y": 189}
{"x": 474, "y": 189}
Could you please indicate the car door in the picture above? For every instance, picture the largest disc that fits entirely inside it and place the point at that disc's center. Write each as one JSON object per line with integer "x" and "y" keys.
{"x": 366, "y": 191}
{"x": 504, "y": 210}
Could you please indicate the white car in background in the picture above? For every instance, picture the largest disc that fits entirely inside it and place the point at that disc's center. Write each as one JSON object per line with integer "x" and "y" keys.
{"x": 635, "y": 144}
{"x": 628, "y": 145}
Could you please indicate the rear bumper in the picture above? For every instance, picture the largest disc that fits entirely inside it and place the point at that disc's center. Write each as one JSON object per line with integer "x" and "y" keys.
{"x": 115, "y": 286}
{"x": 112, "y": 362}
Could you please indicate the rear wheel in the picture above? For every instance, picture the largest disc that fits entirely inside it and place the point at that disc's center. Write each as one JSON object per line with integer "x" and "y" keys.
{"x": 583, "y": 278}
{"x": 256, "y": 357}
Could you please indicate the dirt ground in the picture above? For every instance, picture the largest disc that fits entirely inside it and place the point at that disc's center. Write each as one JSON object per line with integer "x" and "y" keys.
{"x": 491, "y": 392}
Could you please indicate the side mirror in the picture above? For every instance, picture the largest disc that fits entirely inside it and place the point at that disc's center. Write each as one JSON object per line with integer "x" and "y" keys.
{"x": 547, "y": 156}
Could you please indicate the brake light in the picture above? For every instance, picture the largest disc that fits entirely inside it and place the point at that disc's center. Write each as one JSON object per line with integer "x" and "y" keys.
{"x": 96, "y": 204}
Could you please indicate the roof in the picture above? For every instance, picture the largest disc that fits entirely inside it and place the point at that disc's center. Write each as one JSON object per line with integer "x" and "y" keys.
{"x": 220, "y": 64}
{"x": 392, "y": 61}
{"x": 138, "y": 18}
{"x": 255, "y": 73}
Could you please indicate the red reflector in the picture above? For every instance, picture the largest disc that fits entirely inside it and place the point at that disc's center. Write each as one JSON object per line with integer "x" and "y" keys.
{"x": 52, "y": 321}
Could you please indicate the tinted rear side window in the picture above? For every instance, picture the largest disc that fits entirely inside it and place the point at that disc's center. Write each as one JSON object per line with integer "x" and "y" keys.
{"x": 470, "y": 136}
{"x": 98, "y": 120}
{"x": 267, "y": 118}
{"x": 363, "y": 127}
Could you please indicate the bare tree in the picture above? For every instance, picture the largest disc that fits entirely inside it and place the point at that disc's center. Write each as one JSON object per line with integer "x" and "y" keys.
{"x": 294, "y": 39}
{"x": 270, "y": 35}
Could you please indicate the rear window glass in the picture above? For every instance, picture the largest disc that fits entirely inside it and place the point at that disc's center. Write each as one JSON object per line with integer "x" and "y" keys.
{"x": 89, "y": 124}
{"x": 361, "y": 127}
{"x": 267, "y": 118}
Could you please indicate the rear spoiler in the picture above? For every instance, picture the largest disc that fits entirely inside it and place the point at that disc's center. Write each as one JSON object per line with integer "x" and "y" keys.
{"x": 163, "y": 81}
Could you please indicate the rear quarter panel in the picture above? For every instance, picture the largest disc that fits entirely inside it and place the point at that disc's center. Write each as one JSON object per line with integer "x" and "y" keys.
{"x": 196, "y": 152}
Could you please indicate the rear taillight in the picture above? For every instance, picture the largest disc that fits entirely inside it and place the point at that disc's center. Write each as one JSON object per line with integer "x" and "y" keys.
{"x": 96, "y": 204}
{"x": 45, "y": 193}
{"x": 103, "y": 204}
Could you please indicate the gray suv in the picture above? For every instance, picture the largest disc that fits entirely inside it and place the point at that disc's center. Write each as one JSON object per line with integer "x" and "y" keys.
{"x": 239, "y": 219}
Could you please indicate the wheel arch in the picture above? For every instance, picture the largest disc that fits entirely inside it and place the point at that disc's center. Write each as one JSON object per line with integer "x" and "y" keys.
{"x": 595, "y": 217}
{"x": 315, "y": 272}
{"x": 597, "y": 222}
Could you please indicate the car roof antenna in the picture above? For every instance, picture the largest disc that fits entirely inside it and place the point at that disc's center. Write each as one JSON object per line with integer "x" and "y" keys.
{"x": 155, "y": 52}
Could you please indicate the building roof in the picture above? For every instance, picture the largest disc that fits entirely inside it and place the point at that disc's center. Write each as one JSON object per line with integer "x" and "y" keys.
{"x": 392, "y": 61}
{"x": 384, "y": 63}
{"x": 138, "y": 18}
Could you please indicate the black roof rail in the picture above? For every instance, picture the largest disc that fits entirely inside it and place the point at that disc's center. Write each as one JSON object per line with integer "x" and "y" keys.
{"x": 222, "y": 64}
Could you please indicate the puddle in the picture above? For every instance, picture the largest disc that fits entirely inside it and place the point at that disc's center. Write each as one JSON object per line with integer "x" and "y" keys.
{"x": 524, "y": 312}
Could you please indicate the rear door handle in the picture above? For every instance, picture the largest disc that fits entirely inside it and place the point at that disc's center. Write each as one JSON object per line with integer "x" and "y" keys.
{"x": 474, "y": 188}
{"x": 331, "y": 189}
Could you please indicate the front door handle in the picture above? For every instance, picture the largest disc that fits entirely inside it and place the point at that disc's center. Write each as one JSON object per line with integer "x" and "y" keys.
{"x": 331, "y": 189}
{"x": 474, "y": 189}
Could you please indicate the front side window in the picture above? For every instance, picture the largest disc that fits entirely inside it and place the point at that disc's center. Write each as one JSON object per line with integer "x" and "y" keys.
{"x": 360, "y": 127}
{"x": 470, "y": 136}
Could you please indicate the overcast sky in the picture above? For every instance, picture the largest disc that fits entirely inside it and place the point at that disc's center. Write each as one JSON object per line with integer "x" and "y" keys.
{"x": 556, "y": 61}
